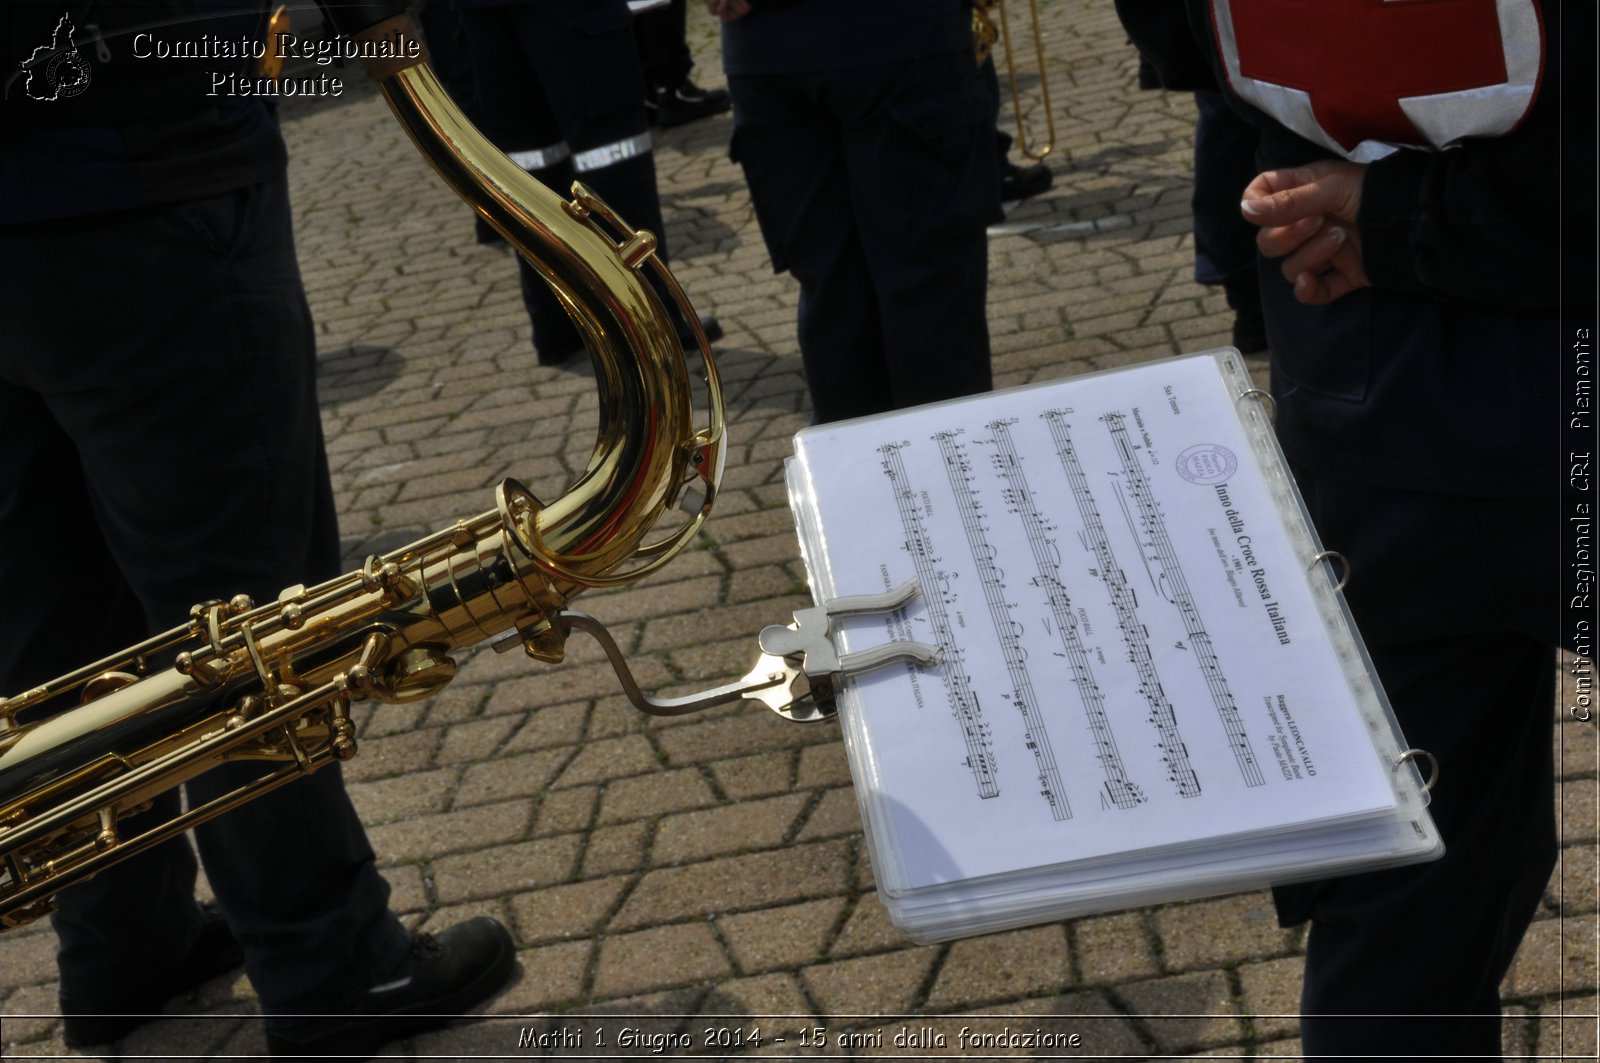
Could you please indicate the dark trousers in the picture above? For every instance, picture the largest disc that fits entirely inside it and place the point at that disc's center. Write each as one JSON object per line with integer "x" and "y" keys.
{"x": 1455, "y": 599}
{"x": 564, "y": 75}
{"x": 1224, "y": 163}
{"x": 874, "y": 187}
{"x": 163, "y": 447}
{"x": 660, "y": 33}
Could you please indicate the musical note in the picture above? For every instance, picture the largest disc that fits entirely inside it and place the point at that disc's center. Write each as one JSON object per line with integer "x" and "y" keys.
{"x": 1008, "y": 632}
{"x": 1154, "y": 524}
{"x": 1122, "y": 792}
{"x": 1125, "y": 603}
{"x": 963, "y": 700}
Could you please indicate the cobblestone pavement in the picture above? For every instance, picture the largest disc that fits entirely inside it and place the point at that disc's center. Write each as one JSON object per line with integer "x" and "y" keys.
{"x": 708, "y": 873}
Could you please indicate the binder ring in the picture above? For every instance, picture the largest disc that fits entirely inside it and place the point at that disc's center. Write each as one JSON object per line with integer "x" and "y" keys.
{"x": 1417, "y": 754}
{"x": 1268, "y": 403}
{"x": 1344, "y": 567}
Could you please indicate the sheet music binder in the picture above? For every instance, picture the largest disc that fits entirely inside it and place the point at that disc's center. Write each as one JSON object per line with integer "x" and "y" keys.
{"x": 1150, "y": 687}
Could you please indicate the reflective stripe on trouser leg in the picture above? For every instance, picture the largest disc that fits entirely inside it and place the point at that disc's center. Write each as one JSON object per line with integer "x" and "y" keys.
{"x": 541, "y": 158}
{"x": 599, "y": 158}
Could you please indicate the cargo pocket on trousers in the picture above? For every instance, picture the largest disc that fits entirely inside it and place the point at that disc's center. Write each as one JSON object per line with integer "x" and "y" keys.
{"x": 953, "y": 171}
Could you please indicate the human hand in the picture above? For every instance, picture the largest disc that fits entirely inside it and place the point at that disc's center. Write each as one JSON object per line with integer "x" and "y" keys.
{"x": 728, "y": 10}
{"x": 1308, "y": 218}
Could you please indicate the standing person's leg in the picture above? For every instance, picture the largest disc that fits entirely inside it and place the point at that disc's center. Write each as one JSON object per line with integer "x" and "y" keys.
{"x": 211, "y": 327}
{"x": 790, "y": 148}
{"x": 1224, "y": 243}
{"x": 66, "y": 603}
{"x": 514, "y": 113}
{"x": 1409, "y": 961}
{"x": 923, "y": 174}
{"x": 661, "y": 34}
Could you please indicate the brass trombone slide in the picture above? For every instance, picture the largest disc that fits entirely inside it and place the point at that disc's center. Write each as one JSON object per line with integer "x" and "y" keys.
{"x": 986, "y": 34}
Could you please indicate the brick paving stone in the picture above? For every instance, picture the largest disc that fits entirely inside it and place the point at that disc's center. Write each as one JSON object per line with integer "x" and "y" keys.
{"x": 1270, "y": 995}
{"x": 658, "y": 958}
{"x": 760, "y": 775}
{"x": 749, "y": 825}
{"x": 1572, "y": 889}
{"x": 450, "y": 832}
{"x": 837, "y": 813}
{"x": 475, "y": 740}
{"x": 1567, "y": 1029}
{"x": 1578, "y": 810}
{"x": 823, "y": 765}
{"x": 654, "y": 794}
{"x": 551, "y": 976}
{"x": 573, "y": 910}
{"x": 525, "y": 775}
{"x": 1557, "y": 956}
{"x": 616, "y": 849}
{"x": 1020, "y": 963}
{"x": 30, "y": 958}
{"x": 401, "y": 797}
{"x": 29, "y": 1014}
{"x": 1103, "y": 1032}
{"x": 885, "y": 984}
{"x": 867, "y": 930}
{"x": 773, "y": 1004}
{"x": 558, "y": 725}
{"x": 780, "y": 938}
{"x": 566, "y": 811}
{"x": 1221, "y": 932}
{"x": 1185, "y": 1012}
{"x": 408, "y": 889}
{"x": 1114, "y": 948}
{"x": 505, "y": 869}
{"x": 740, "y": 883}
{"x": 379, "y": 758}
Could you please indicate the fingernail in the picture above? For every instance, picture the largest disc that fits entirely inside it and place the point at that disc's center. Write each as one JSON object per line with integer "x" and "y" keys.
{"x": 1336, "y": 234}
{"x": 1256, "y": 207}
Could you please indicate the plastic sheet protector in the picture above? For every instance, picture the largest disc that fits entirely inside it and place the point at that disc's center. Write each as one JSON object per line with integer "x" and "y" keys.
{"x": 1148, "y": 687}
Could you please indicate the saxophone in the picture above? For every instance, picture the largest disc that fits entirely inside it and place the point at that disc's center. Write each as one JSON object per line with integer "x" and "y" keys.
{"x": 273, "y": 684}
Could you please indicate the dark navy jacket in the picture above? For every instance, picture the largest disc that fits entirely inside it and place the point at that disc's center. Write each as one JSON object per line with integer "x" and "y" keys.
{"x": 1446, "y": 374}
{"x": 138, "y": 127}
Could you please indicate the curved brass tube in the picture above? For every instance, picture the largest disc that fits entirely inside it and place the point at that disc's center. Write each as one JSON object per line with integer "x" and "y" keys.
{"x": 273, "y": 684}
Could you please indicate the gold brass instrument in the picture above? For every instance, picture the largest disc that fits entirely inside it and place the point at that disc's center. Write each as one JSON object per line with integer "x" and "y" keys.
{"x": 274, "y": 683}
{"x": 985, "y": 35}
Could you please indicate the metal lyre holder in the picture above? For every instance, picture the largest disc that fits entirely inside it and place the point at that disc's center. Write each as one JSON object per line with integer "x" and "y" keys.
{"x": 800, "y": 668}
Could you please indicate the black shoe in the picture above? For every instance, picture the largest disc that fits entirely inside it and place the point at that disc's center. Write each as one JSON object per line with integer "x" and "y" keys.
{"x": 573, "y": 359}
{"x": 708, "y": 324}
{"x": 486, "y": 234}
{"x": 1020, "y": 182}
{"x": 443, "y": 976}
{"x": 103, "y": 1022}
{"x": 686, "y": 102}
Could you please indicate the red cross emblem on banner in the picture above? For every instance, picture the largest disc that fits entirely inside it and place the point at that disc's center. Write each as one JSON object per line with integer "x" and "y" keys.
{"x": 1354, "y": 62}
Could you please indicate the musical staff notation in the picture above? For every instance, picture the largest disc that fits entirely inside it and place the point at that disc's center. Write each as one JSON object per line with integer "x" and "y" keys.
{"x": 1075, "y": 542}
{"x": 1136, "y": 640}
{"x": 964, "y": 704}
{"x": 1154, "y": 526}
{"x": 1120, "y": 790}
{"x": 1035, "y": 735}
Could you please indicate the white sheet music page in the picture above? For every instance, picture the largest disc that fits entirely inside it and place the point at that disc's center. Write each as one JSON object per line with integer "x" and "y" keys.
{"x": 1133, "y": 658}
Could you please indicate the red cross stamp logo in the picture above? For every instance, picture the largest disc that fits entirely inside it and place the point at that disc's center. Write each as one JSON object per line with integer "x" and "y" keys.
{"x": 1362, "y": 77}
